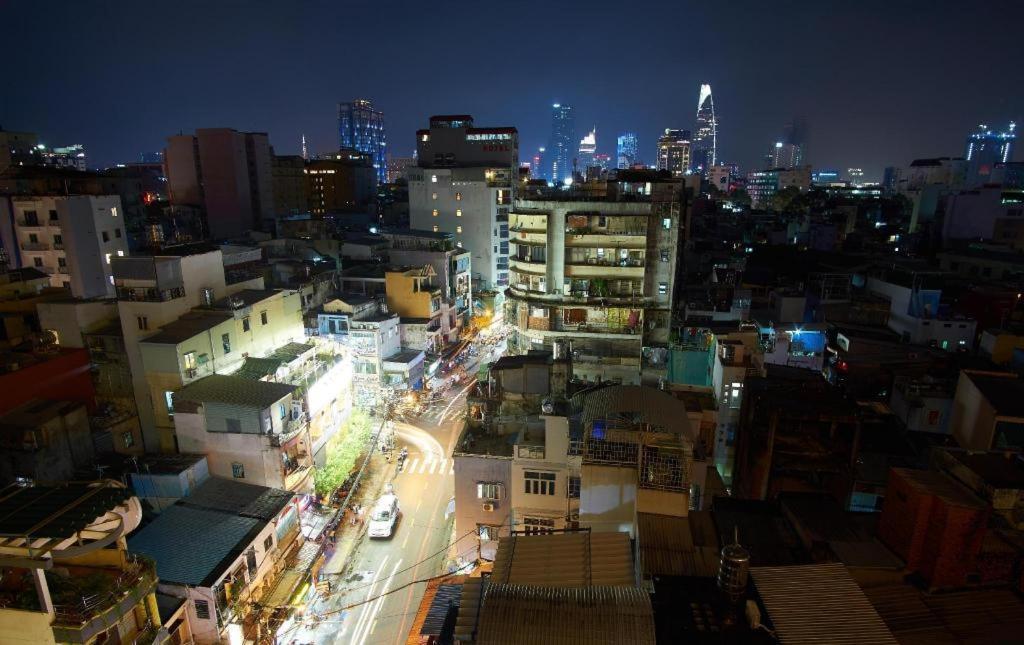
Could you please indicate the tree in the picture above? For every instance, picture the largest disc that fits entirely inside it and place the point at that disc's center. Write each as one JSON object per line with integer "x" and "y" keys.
{"x": 786, "y": 199}
{"x": 740, "y": 197}
{"x": 342, "y": 453}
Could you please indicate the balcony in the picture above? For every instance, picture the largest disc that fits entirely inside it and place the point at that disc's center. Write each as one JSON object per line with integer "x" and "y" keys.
{"x": 526, "y": 265}
{"x": 24, "y": 223}
{"x": 139, "y": 294}
{"x": 93, "y": 599}
{"x": 633, "y": 239}
{"x": 35, "y": 246}
{"x": 295, "y": 477}
{"x": 292, "y": 428}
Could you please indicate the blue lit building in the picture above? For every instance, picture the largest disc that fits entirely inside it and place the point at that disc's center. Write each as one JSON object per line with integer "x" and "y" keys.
{"x": 985, "y": 149}
{"x": 627, "y": 151}
{"x": 361, "y": 128}
{"x": 562, "y": 149}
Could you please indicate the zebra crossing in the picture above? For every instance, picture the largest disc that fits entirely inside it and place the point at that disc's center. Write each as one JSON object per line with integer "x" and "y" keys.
{"x": 427, "y": 465}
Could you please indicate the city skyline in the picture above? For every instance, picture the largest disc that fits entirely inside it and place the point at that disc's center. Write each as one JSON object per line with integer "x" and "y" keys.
{"x": 873, "y": 123}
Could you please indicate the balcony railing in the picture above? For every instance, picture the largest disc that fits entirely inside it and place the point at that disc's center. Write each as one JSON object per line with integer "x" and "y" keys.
{"x": 35, "y": 246}
{"x": 606, "y": 262}
{"x": 81, "y": 616}
{"x": 291, "y": 429}
{"x": 149, "y": 295}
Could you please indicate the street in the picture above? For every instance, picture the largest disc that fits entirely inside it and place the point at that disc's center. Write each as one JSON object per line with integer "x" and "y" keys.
{"x": 418, "y": 548}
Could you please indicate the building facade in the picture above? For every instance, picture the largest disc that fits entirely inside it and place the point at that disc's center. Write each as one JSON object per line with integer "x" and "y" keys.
{"x": 561, "y": 148}
{"x": 674, "y": 152}
{"x": 627, "y": 151}
{"x": 360, "y": 127}
{"x": 705, "y": 139}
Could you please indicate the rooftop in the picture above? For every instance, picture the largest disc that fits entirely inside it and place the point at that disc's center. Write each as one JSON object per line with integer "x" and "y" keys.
{"x": 485, "y": 444}
{"x": 637, "y": 404}
{"x": 584, "y": 559}
{"x": 56, "y": 512}
{"x": 678, "y": 546}
{"x": 233, "y": 390}
{"x": 1004, "y": 470}
{"x": 1004, "y": 393}
{"x": 168, "y": 464}
{"x": 245, "y": 298}
{"x": 257, "y": 369}
{"x": 189, "y": 325}
{"x": 244, "y": 500}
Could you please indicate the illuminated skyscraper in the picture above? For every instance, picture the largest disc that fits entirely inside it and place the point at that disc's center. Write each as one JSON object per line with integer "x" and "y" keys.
{"x": 985, "y": 149}
{"x": 562, "y": 149}
{"x": 537, "y": 165}
{"x": 361, "y": 128}
{"x": 627, "y": 151}
{"x": 705, "y": 141}
{"x": 587, "y": 149}
{"x": 674, "y": 152}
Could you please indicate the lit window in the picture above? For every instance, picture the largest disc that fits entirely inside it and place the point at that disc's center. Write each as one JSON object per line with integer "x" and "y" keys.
{"x": 169, "y": 399}
{"x": 662, "y": 288}
{"x": 107, "y": 255}
{"x": 458, "y": 197}
{"x": 458, "y": 229}
{"x": 433, "y": 179}
{"x": 458, "y": 212}
{"x": 435, "y": 212}
{"x": 435, "y": 228}
{"x": 458, "y": 244}
{"x": 113, "y": 211}
{"x": 263, "y": 318}
{"x": 666, "y": 223}
{"x": 120, "y": 254}
{"x": 433, "y": 196}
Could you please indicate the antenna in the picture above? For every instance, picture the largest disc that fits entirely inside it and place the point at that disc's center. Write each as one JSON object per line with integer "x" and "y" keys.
{"x": 305, "y": 152}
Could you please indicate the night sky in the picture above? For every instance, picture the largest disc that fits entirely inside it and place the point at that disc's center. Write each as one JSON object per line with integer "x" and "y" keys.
{"x": 879, "y": 83}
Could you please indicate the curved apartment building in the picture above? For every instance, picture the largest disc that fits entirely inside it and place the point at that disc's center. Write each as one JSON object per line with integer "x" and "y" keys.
{"x": 594, "y": 271}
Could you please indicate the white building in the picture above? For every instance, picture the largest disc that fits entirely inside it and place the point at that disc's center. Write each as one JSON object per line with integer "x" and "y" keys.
{"x": 72, "y": 239}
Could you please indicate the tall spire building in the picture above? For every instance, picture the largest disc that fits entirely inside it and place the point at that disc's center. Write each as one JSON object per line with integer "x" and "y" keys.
{"x": 705, "y": 139}
{"x": 562, "y": 149}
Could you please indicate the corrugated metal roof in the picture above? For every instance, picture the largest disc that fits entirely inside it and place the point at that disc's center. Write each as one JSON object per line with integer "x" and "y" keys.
{"x": 678, "y": 546}
{"x": 257, "y": 369}
{"x": 525, "y": 615}
{"x": 189, "y": 543}
{"x": 565, "y": 560}
{"x": 818, "y": 603}
{"x": 634, "y": 403}
{"x": 246, "y": 500}
{"x": 56, "y": 511}
{"x": 234, "y": 390}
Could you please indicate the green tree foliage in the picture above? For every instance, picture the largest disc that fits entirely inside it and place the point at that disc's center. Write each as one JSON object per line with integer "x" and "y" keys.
{"x": 740, "y": 197}
{"x": 343, "y": 452}
{"x": 787, "y": 200}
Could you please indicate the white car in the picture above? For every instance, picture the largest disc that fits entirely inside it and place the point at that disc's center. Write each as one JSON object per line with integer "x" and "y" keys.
{"x": 383, "y": 517}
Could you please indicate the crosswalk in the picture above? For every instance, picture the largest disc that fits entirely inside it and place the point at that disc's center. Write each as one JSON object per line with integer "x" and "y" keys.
{"x": 425, "y": 465}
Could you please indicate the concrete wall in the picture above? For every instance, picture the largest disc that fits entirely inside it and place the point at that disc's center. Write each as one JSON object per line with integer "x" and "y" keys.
{"x": 469, "y": 471}
{"x": 972, "y": 420}
{"x": 608, "y": 499}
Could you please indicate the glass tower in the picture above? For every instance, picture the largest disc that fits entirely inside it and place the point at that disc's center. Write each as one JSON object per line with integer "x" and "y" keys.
{"x": 674, "y": 152}
{"x": 562, "y": 149}
{"x": 705, "y": 140}
{"x": 626, "y": 152}
{"x": 361, "y": 128}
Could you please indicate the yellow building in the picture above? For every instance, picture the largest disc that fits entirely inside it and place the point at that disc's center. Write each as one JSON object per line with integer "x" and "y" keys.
{"x": 68, "y": 577}
{"x": 411, "y": 293}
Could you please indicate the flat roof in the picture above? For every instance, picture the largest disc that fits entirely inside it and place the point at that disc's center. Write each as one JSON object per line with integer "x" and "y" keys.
{"x": 247, "y": 296}
{"x": 404, "y": 356}
{"x": 189, "y": 325}
{"x": 245, "y": 500}
{"x": 998, "y": 469}
{"x": 234, "y": 390}
{"x": 637, "y": 404}
{"x": 1005, "y": 393}
{"x": 167, "y": 464}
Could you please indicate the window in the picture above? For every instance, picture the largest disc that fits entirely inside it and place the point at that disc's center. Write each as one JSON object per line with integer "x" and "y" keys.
{"x": 458, "y": 229}
{"x": 458, "y": 197}
{"x": 53, "y": 216}
{"x": 282, "y": 411}
{"x": 488, "y": 532}
{"x": 33, "y": 238}
{"x": 435, "y": 212}
{"x": 269, "y": 542}
{"x": 202, "y": 609}
{"x": 127, "y": 439}
{"x": 574, "y": 487}
{"x": 120, "y": 254}
{"x": 225, "y": 341}
{"x": 37, "y": 262}
{"x": 31, "y": 219}
{"x": 106, "y": 256}
{"x": 169, "y": 400}
{"x": 662, "y": 288}
{"x": 113, "y": 211}
{"x": 58, "y": 240}
{"x": 539, "y": 483}
{"x": 62, "y": 262}
{"x": 458, "y": 212}
{"x": 666, "y": 223}
{"x": 538, "y": 525}
{"x": 117, "y": 233}
{"x": 433, "y": 196}
{"x": 433, "y": 179}
{"x": 263, "y": 318}
{"x": 233, "y": 425}
{"x": 435, "y": 228}
{"x": 490, "y": 490}
{"x": 664, "y": 255}
{"x": 245, "y": 323}
{"x": 143, "y": 323}
{"x": 106, "y": 236}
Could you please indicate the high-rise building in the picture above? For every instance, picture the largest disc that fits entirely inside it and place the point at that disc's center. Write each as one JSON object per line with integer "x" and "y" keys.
{"x": 562, "y": 148}
{"x": 986, "y": 148}
{"x": 705, "y": 141}
{"x": 397, "y": 166}
{"x": 226, "y": 173}
{"x": 537, "y": 170}
{"x": 361, "y": 127}
{"x": 585, "y": 155}
{"x": 627, "y": 151}
{"x": 464, "y": 185}
{"x": 788, "y": 150}
{"x": 674, "y": 152}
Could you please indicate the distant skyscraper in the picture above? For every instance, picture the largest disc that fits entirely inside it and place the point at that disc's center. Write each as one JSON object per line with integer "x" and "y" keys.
{"x": 537, "y": 165}
{"x": 705, "y": 140}
{"x": 674, "y": 152}
{"x": 788, "y": 151}
{"x": 562, "y": 149}
{"x": 985, "y": 149}
{"x": 585, "y": 154}
{"x": 627, "y": 151}
{"x": 362, "y": 128}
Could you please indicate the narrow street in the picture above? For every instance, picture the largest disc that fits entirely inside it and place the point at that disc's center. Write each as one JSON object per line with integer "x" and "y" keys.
{"x": 418, "y": 548}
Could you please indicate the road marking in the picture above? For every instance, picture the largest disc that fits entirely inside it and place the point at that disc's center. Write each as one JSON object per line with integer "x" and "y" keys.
{"x": 374, "y": 607}
{"x": 412, "y": 464}
{"x": 369, "y": 594}
{"x": 441, "y": 468}
{"x": 433, "y": 466}
{"x": 452, "y": 471}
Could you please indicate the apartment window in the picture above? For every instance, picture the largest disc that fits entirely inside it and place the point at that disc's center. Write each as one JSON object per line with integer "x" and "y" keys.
{"x": 143, "y": 323}
{"x": 433, "y": 196}
{"x": 117, "y": 233}
{"x": 233, "y": 425}
{"x": 245, "y": 323}
{"x": 106, "y": 256}
{"x": 435, "y": 228}
{"x": 62, "y": 262}
{"x": 458, "y": 229}
{"x": 268, "y": 543}
{"x": 433, "y": 179}
{"x": 263, "y": 318}
{"x": 458, "y": 197}
{"x": 282, "y": 411}
{"x": 662, "y": 288}
{"x": 536, "y": 483}
{"x": 169, "y": 400}
{"x": 664, "y": 255}
{"x": 458, "y": 212}
{"x": 106, "y": 236}
{"x": 574, "y": 487}
{"x": 33, "y": 238}
{"x": 538, "y": 525}
{"x": 120, "y": 254}
{"x": 225, "y": 341}
{"x": 38, "y": 262}
{"x": 488, "y": 532}
{"x": 53, "y": 215}
{"x": 666, "y": 223}
{"x": 203, "y": 608}
{"x": 188, "y": 360}
{"x": 490, "y": 490}
{"x": 113, "y": 211}
{"x": 435, "y": 212}
{"x": 58, "y": 240}
{"x": 31, "y": 219}
{"x": 127, "y": 439}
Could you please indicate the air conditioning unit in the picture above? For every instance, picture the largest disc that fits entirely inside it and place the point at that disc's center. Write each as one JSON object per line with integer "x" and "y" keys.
{"x": 489, "y": 506}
